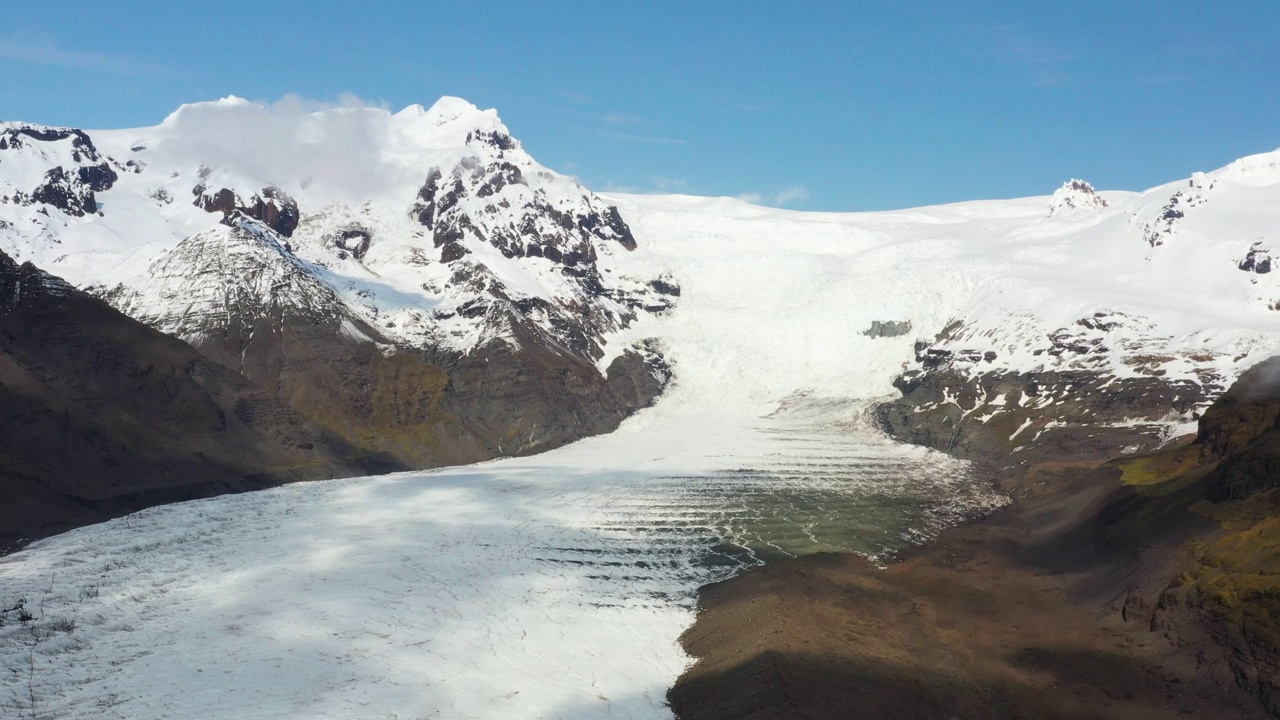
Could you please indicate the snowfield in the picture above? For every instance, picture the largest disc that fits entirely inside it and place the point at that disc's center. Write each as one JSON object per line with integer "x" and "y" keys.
{"x": 556, "y": 586}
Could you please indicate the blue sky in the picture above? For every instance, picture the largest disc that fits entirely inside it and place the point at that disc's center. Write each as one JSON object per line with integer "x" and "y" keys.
{"x": 815, "y": 105}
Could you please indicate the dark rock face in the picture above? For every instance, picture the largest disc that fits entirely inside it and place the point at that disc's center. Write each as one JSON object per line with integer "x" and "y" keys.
{"x": 960, "y": 401}
{"x": 424, "y": 210}
{"x": 58, "y": 190}
{"x": 534, "y": 398}
{"x": 105, "y": 416}
{"x": 1102, "y": 390}
{"x": 888, "y": 328}
{"x": 1241, "y": 431}
{"x": 493, "y": 138}
{"x": 353, "y": 240}
{"x": 529, "y": 218}
{"x": 665, "y": 286}
{"x": 70, "y": 188}
{"x": 1166, "y": 224}
{"x": 1042, "y": 415}
{"x": 1259, "y": 260}
{"x": 272, "y": 207}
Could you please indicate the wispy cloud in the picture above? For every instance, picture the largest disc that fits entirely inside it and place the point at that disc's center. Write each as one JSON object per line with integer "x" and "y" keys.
{"x": 37, "y": 50}
{"x": 782, "y": 198}
{"x": 1036, "y": 58}
{"x": 791, "y": 194}
{"x": 577, "y": 98}
{"x": 667, "y": 184}
{"x": 632, "y": 137}
{"x": 1015, "y": 45}
{"x": 293, "y": 103}
{"x": 616, "y": 119}
{"x": 657, "y": 185}
{"x": 610, "y": 186}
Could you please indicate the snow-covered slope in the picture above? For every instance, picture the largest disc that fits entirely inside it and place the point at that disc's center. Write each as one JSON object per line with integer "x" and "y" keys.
{"x": 1072, "y": 282}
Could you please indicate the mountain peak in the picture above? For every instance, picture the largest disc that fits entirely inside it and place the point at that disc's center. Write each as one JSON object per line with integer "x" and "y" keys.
{"x": 1075, "y": 195}
{"x": 449, "y": 108}
{"x": 1255, "y": 170}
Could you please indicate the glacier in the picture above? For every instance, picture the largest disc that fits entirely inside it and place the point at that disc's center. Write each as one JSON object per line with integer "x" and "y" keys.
{"x": 556, "y": 586}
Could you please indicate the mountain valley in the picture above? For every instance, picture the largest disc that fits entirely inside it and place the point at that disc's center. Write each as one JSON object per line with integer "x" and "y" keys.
{"x": 651, "y": 394}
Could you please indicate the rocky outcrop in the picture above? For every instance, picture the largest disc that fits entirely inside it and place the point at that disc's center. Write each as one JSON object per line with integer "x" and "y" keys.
{"x": 104, "y": 416}
{"x": 1013, "y": 418}
{"x": 887, "y": 328}
{"x": 1073, "y": 197}
{"x": 1258, "y": 260}
{"x": 271, "y": 206}
{"x": 1165, "y": 224}
{"x": 518, "y": 400}
{"x": 77, "y": 174}
{"x": 492, "y": 202}
{"x": 1206, "y": 516}
{"x": 1103, "y": 386}
{"x": 1241, "y": 432}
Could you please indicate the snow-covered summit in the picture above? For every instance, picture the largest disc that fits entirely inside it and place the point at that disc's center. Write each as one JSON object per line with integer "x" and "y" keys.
{"x": 448, "y": 108}
{"x": 1254, "y": 170}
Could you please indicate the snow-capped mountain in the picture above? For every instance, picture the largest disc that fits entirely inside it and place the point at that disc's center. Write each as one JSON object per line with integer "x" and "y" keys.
{"x": 433, "y": 226}
{"x": 1168, "y": 283}
{"x": 297, "y": 247}
{"x": 991, "y": 324}
{"x": 979, "y": 328}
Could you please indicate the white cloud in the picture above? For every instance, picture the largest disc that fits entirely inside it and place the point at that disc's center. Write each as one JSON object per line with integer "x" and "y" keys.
{"x": 333, "y": 148}
{"x": 778, "y": 199}
{"x": 616, "y": 188}
{"x": 616, "y": 119}
{"x": 790, "y": 195}
{"x": 666, "y": 184}
{"x": 646, "y": 139}
{"x": 39, "y": 50}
